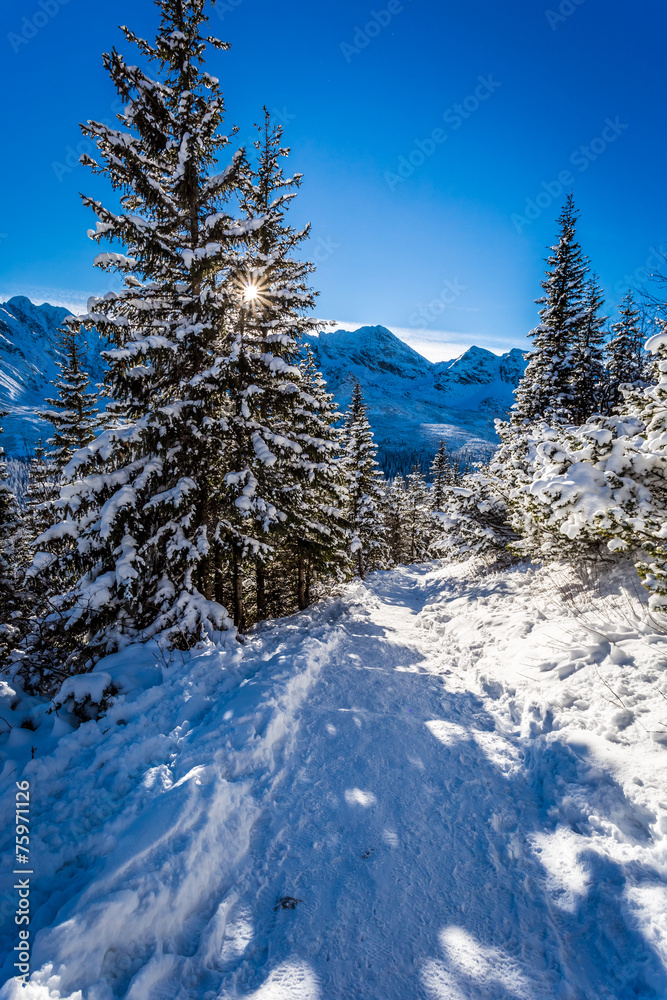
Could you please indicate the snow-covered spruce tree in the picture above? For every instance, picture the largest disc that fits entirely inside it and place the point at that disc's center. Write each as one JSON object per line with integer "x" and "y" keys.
{"x": 365, "y": 489}
{"x": 473, "y": 520}
{"x": 564, "y": 384}
{"x": 589, "y": 380}
{"x": 73, "y": 412}
{"x": 418, "y": 521}
{"x": 545, "y": 394}
{"x": 41, "y": 493}
{"x": 649, "y": 471}
{"x": 13, "y": 599}
{"x": 264, "y": 454}
{"x": 394, "y": 510}
{"x": 444, "y": 473}
{"x": 625, "y": 358}
{"x": 601, "y": 487}
{"x": 546, "y": 389}
{"x": 143, "y": 511}
{"x": 314, "y": 546}
{"x": 582, "y": 491}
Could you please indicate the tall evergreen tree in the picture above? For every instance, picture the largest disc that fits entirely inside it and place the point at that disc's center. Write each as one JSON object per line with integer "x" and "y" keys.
{"x": 417, "y": 518}
{"x": 41, "y": 493}
{"x": 145, "y": 510}
{"x": 12, "y": 595}
{"x": 625, "y": 355}
{"x": 314, "y": 544}
{"x": 394, "y": 517}
{"x": 262, "y": 448}
{"x": 74, "y": 413}
{"x": 444, "y": 473}
{"x": 546, "y": 390}
{"x": 589, "y": 382}
{"x": 365, "y": 488}
{"x": 474, "y": 519}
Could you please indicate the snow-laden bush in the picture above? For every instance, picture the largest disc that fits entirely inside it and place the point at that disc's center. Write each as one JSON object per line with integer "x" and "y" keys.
{"x": 601, "y": 487}
{"x": 473, "y": 520}
{"x": 579, "y": 490}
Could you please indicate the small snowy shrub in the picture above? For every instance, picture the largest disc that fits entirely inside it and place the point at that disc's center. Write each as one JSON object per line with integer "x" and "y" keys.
{"x": 86, "y": 696}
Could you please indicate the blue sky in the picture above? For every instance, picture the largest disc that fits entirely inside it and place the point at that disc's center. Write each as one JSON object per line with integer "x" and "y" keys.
{"x": 428, "y": 132}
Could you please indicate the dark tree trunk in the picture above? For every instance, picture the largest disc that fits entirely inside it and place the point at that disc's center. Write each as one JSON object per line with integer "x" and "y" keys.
{"x": 261, "y": 591}
{"x": 237, "y": 581}
{"x": 309, "y": 580}
{"x": 302, "y": 583}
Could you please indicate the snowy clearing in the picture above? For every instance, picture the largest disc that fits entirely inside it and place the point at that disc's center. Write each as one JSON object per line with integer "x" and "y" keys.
{"x": 441, "y": 785}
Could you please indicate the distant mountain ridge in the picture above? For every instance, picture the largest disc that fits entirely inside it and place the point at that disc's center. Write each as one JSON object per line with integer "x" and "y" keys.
{"x": 412, "y": 402}
{"x": 28, "y": 355}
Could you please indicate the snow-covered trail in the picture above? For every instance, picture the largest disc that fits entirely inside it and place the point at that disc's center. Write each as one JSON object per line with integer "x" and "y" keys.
{"x": 405, "y": 824}
{"x": 434, "y": 830}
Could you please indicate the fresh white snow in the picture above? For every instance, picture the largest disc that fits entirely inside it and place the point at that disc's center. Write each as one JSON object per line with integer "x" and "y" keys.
{"x": 455, "y": 781}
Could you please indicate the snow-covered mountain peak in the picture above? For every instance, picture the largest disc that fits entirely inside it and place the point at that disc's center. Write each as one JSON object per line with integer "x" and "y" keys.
{"x": 481, "y": 367}
{"x": 412, "y": 403}
{"x": 374, "y": 348}
{"x": 28, "y": 355}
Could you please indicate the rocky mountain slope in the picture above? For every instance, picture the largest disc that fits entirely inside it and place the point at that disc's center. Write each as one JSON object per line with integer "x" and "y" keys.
{"x": 412, "y": 402}
{"x": 28, "y": 356}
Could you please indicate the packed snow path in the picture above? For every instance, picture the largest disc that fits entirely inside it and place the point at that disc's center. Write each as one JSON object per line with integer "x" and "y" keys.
{"x": 375, "y": 810}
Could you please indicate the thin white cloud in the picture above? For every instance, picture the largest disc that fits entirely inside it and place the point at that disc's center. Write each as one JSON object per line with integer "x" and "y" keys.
{"x": 439, "y": 345}
{"x": 67, "y": 298}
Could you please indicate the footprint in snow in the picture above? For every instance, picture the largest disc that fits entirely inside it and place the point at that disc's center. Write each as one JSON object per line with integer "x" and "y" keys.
{"x": 287, "y": 903}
